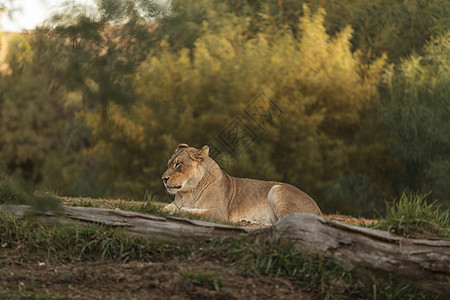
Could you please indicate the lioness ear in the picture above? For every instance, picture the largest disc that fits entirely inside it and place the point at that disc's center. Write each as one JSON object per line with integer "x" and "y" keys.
{"x": 202, "y": 154}
{"x": 181, "y": 146}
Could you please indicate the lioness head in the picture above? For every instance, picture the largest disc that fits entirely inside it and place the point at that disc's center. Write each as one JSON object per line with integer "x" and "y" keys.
{"x": 184, "y": 169}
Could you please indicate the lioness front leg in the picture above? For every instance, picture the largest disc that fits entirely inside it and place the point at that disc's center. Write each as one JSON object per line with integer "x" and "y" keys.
{"x": 172, "y": 207}
{"x": 195, "y": 211}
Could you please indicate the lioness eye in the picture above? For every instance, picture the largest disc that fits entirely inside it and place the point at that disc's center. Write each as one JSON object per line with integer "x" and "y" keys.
{"x": 177, "y": 165}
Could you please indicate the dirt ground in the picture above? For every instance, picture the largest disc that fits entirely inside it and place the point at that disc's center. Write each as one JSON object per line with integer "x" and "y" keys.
{"x": 31, "y": 277}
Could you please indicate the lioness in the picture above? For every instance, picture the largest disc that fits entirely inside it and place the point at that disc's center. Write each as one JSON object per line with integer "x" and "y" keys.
{"x": 201, "y": 187}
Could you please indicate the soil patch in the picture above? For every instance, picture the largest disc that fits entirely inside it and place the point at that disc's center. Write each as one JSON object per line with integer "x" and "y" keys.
{"x": 135, "y": 280}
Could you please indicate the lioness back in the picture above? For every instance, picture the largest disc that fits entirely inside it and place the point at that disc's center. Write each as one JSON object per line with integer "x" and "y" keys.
{"x": 268, "y": 201}
{"x": 200, "y": 186}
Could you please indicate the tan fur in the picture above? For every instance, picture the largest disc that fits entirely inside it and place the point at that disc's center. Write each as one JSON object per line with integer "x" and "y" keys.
{"x": 201, "y": 187}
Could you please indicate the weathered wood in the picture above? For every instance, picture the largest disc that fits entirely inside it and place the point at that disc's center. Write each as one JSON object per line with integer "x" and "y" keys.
{"x": 426, "y": 260}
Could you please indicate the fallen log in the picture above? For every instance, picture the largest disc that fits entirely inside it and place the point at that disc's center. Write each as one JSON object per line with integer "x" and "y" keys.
{"x": 426, "y": 260}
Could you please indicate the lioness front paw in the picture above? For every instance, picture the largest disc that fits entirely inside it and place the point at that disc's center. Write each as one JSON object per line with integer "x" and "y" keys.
{"x": 171, "y": 208}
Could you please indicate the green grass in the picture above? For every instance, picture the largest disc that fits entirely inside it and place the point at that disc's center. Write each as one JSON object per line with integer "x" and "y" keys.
{"x": 326, "y": 278}
{"x": 413, "y": 216}
{"x": 87, "y": 203}
{"x": 79, "y": 243}
{"x": 146, "y": 206}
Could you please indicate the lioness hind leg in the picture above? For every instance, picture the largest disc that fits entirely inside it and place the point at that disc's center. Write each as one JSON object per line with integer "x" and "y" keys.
{"x": 286, "y": 199}
{"x": 276, "y": 202}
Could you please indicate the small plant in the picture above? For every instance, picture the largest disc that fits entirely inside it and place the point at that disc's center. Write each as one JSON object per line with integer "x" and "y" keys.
{"x": 88, "y": 203}
{"x": 11, "y": 193}
{"x": 41, "y": 201}
{"x": 146, "y": 206}
{"x": 210, "y": 280}
{"x": 412, "y": 215}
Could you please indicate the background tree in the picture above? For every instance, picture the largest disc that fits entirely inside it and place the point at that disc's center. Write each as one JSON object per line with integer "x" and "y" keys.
{"x": 30, "y": 125}
{"x": 416, "y": 111}
{"x": 88, "y": 54}
{"x": 99, "y": 47}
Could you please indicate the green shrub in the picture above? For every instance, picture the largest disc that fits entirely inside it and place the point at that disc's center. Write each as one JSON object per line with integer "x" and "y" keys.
{"x": 412, "y": 215}
{"x": 11, "y": 193}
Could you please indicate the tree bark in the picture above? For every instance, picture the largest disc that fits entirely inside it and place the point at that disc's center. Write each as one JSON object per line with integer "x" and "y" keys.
{"x": 425, "y": 260}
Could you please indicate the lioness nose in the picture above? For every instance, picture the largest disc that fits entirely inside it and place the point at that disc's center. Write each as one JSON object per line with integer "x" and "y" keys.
{"x": 165, "y": 179}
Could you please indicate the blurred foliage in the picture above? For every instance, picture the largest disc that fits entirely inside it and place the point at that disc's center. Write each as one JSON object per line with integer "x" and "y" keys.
{"x": 97, "y": 98}
{"x": 396, "y": 28}
{"x": 30, "y": 122}
{"x": 416, "y": 111}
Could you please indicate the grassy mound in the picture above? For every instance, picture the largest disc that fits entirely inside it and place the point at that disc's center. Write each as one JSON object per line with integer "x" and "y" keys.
{"x": 413, "y": 216}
